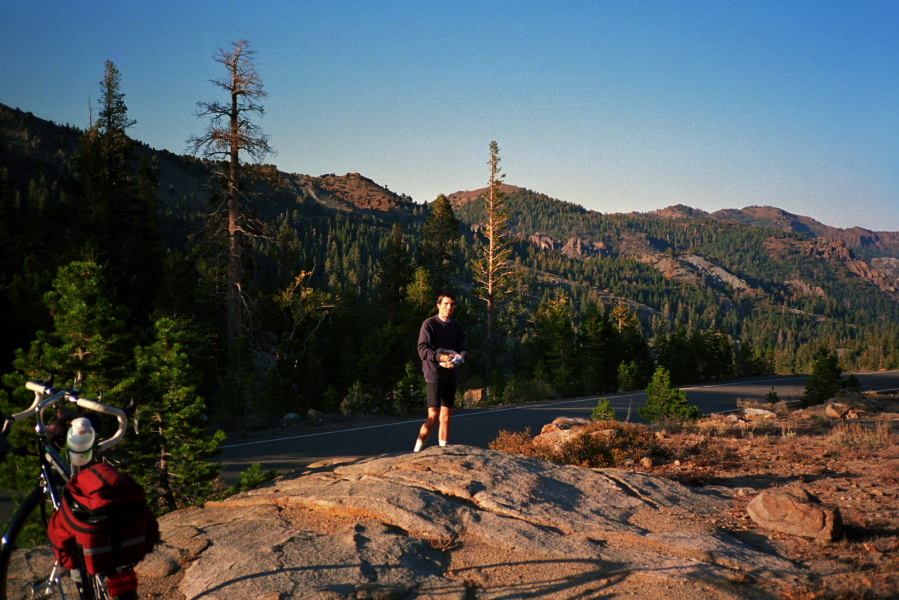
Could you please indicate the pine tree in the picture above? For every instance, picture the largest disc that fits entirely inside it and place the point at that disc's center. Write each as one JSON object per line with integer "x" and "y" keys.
{"x": 552, "y": 345}
{"x": 596, "y": 345}
{"x": 493, "y": 268}
{"x": 664, "y": 401}
{"x": 116, "y": 223}
{"x": 89, "y": 335}
{"x": 824, "y": 382}
{"x": 439, "y": 245}
{"x": 171, "y": 454}
{"x": 395, "y": 271}
{"x": 88, "y": 338}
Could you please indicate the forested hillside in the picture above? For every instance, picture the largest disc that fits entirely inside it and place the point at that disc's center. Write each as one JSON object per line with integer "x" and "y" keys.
{"x": 339, "y": 275}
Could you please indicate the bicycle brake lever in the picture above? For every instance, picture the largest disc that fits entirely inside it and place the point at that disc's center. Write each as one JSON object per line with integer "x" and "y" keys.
{"x": 131, "y": 408}
{"x": 131, "y": 413}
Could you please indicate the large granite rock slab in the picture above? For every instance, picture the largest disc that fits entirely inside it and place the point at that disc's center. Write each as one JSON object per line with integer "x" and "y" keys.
{"x": 461, "y": 523}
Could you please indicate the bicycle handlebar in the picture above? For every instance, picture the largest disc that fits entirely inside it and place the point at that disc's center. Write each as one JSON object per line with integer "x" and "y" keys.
{"x": 53, "y": 396}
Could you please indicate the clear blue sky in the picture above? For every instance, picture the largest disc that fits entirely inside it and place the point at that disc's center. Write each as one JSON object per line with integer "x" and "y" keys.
{"x": 615, "y": 105}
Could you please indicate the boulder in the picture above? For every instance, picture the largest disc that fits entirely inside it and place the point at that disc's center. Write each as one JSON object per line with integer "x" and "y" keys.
{"x": 797, "y": 512}
{"x": 836, "y": 410}
{"x": 461, "y": 522}
{"x": 564, "y": 424}
{"x": 475, "y": 396}
{"x": 316, "y": 416}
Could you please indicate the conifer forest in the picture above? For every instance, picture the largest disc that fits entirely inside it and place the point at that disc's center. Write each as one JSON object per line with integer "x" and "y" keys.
{"x": 222, "y": 293}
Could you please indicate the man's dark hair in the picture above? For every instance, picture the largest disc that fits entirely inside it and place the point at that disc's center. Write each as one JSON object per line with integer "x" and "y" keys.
{"x": 449, "y": 295}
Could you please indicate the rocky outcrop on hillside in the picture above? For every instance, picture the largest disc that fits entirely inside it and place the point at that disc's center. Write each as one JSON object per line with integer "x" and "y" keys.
{"x": 678, "y": 211}
{"x": 574, "y": 248}
{"x": 888, "y": 267}
{"x": 692, "y": 269}
{"x": 776, "y": 218}
{"x": 349, "y": 192}
{"x": 543, "y": 241}
{"x": 458, "y": 523}
{"x": 579, "y": 248}
{"x": 825, "y": 249}
{"x": 716, "y": 272}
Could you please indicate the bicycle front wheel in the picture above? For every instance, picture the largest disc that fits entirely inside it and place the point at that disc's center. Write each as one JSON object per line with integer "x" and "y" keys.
{"x": 27, "y": 566}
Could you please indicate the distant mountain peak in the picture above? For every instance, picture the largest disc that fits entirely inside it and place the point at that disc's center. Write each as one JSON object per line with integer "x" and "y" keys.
{"x": 679, "y": 211}
{"x": 458, "y": 199}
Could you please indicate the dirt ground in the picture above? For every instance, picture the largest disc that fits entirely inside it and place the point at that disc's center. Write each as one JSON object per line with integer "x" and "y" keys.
{"x": 852, "y": 464}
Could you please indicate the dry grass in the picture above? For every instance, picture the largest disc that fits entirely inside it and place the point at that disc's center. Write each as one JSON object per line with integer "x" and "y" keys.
{"x": 857, "y": 436}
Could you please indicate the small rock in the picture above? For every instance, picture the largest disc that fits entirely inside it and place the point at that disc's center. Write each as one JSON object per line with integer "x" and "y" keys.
{"x": 758, "y": 413}
{"x": 646, "y": 462}
{"x": 291, "y": 420}
{"x": 315, "y": 415}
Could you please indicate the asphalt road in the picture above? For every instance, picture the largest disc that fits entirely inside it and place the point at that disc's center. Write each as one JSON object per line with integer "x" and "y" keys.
{"x": 478, "y": 427}
{"x": 287, "y": 451}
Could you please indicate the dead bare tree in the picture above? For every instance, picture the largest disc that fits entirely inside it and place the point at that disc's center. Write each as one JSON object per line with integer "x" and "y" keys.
{"x": 230, "y": 136}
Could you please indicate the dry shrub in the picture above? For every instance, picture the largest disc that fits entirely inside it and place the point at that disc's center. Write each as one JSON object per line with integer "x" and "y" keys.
{"x": 855, "y": 436}
{"x": 518, "y": 442}
{"x": 701, "y": 451}
{"x": 598, "y": 444}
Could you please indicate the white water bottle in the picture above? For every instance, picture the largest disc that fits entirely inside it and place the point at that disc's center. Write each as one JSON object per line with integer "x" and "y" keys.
{"x": 80, "y": 442}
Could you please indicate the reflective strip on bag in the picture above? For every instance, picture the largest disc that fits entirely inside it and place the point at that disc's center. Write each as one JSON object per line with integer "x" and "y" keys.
{"x": 141, "y": 539}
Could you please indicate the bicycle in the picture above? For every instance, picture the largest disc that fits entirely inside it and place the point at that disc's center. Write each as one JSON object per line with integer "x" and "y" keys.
{"x": 54, "y": 581}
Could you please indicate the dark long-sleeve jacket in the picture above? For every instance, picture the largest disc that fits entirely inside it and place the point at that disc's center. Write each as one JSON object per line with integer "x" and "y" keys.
{"x": 434, "y": 335}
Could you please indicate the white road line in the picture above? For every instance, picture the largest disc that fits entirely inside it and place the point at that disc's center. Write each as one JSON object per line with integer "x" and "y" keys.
{"x": 455, "y": 416}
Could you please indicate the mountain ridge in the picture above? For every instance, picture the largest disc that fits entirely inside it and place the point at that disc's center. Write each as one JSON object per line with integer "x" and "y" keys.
{"x": 51, "y": 143}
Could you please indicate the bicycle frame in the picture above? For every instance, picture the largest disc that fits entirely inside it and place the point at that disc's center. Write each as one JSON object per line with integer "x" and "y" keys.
{"x": 55, "y": 471}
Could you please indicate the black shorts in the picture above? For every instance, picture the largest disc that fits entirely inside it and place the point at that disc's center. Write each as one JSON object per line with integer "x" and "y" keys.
{"x": 440, "y": 394}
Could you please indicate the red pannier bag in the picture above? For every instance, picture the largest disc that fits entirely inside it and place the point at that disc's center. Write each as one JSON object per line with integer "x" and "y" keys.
{"x": 104, "y": 515}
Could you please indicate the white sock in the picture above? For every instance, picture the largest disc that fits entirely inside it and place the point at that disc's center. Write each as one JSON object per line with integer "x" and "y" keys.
{"x": 442, "y": 442}
{"x": 418, "y": 445}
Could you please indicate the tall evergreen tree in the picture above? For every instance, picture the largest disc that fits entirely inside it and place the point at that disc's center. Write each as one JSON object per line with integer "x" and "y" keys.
{"x": 89, "y": 335}
{"x": 395, "y": 271}
{"x": 493, "y": 268}
{"x": 632, "y": 346}
{"x": 552, "y": 345}
{"x": 439, "y": 244}
{"x": 230, "y": 136}
{"x": 597, "y": 342}
{"x": 116, "y": 221}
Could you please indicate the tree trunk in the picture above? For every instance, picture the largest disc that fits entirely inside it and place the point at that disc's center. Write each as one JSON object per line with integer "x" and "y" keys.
{"x": 234, "y": 319}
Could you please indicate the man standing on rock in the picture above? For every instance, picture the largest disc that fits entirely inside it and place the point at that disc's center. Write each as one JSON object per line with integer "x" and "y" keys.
{"x": 442, "y": 347}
